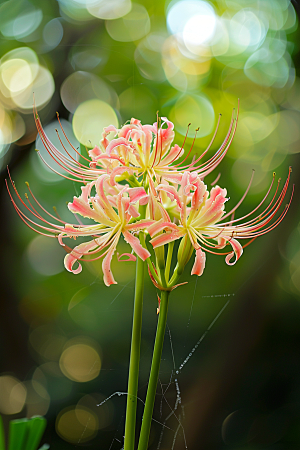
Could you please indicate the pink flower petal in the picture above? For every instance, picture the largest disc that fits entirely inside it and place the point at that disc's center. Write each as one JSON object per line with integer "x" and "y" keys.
{"x": 133, "y": 211}
{"x": 199, "y": 263}
{"x": 119, "y": 171}
{"x": 136, "y": 245}
{"x": 117, "y": 143}
{"x": 138, "y": 194}
{"x": 165, "y": 238}
{"x": 108, "y": 277}
{"x": 140, "y": 225}
{"x": 78, "y": 206}
{"x": 156, "y": 227}
{"x": 69, "y": 261}
{"x": 130, "y": 257}
{"x": 77, "y": 253}
{"x": 237, "y": 251}
{"x": 171, "y": 193}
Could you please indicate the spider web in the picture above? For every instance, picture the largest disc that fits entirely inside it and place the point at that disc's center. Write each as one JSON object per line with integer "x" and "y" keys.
{"x": 176, "y": 410}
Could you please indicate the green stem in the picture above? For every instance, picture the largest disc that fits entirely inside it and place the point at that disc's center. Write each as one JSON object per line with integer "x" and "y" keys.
{"x": 169, "y": 260}
{"x": 134, "y": 363}
{"x": 158, "y": 346}
{"x": 134, "y": 357}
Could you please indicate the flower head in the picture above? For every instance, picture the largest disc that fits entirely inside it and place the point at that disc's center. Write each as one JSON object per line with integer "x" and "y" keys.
{"x": 132, "y": 186}
{"x": 136, "y": 153}
{"x": 111, "y": 215}
{"x": 202, "y": 223}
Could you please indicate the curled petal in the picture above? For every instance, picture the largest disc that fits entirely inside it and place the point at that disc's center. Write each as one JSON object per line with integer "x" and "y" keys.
{"x": 108, "y": 277}
{"x": 138, "y": 194}
{"x": 136, "y": 245}
{"x": 69, "y": 262}
{"x": 156, "y": 227}
{"x": 117, "y": 143}
{"x": 77, "y": 253}
{"x": 119, "y": 171}
{"x": 221, "y": 242}
{"x": 130, "y": 257}
{"x": 95, "y": 152}
{"x": 107, "y": 130}
{"x": 171, "y": 193}
{"x": 165, "y": 238}
{"x": 60, "y": 239}
{"x": 237, "y": 251}
{"x": 199, "y": 263}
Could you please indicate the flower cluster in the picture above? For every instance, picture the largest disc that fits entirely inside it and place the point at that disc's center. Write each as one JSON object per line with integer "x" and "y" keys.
{"x": 136, "y": 184}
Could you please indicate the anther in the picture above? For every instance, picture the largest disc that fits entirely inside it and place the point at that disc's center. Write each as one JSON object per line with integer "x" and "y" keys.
{"x": 27, "y": 184}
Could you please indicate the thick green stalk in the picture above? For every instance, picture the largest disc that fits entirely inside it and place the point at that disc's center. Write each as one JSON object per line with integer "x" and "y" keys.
{"x": 158, "y": 346}
{"x": 134, "y": 357}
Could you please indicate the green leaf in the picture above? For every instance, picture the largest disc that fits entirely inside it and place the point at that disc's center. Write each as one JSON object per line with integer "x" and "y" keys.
{"x": 2, "y": 435}
{"x": 36, "y": 427}
{"x": 17, "y": 434}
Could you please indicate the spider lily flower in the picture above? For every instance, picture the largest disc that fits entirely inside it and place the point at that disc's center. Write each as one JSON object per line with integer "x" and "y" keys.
{"x": 112, "y": 214}
{"x": 135, "y": 150}
{"x": 204, "y": 226}
{"x": 146, "y": 149}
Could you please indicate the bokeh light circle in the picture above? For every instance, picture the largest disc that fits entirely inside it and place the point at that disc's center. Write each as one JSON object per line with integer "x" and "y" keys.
{"x": 109, "y": 10}
{"x": 45, "y": 255}
{"x": 12, "y": 395}
{"x": 41, "y": 90}
{"x": 82, "y": 86}
{"x": 80, "y": 362}
{"x": 77, "y": 424}
{"x": 196, "y": 20}
{"x": 53, "y": 33}
{"x": 195, "y": 109}
{"x": 201, "y": 27}
{"x": 133, "y": 26}
{"x": 89, "y": 120}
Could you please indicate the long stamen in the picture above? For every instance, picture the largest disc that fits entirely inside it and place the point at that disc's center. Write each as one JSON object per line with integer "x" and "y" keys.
{"x": 86, "y": 159}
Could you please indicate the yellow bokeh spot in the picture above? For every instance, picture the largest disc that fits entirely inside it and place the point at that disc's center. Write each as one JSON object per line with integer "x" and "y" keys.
{"x": 133, "y": 26}
{"x": 77, "y": 424}
{"x": 89, "y": 120}
{"x": 12, "y": 395}
{"x": 112, "y": 9}
{"x": 16, "y": 74}
{"x": 80, "y": 362}
{"x": 40, "y": 90}
{"x": 196, "y": 109}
